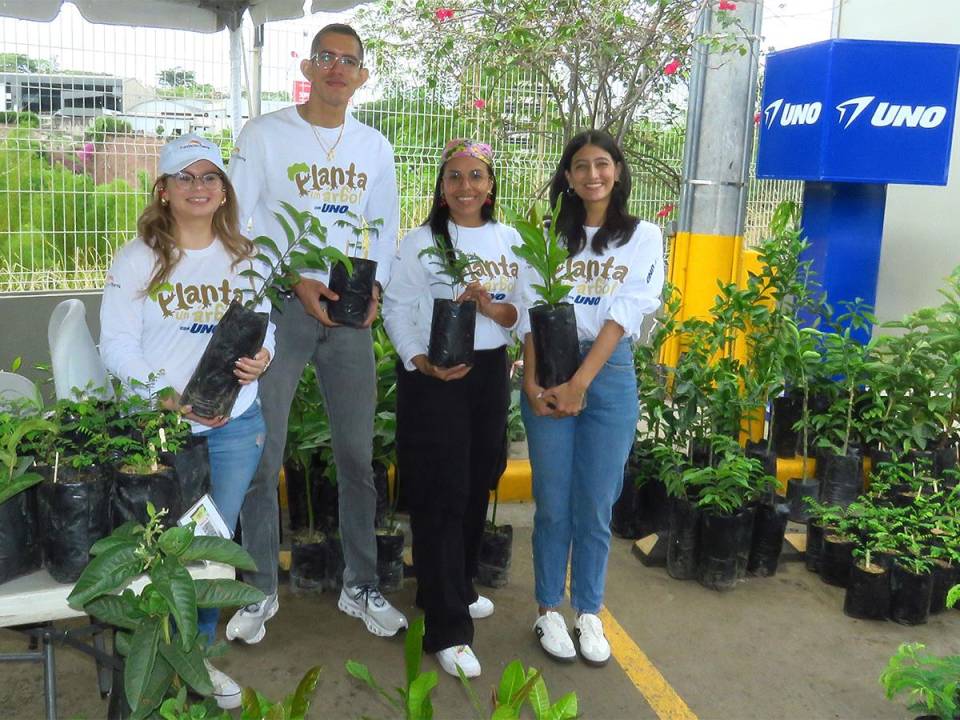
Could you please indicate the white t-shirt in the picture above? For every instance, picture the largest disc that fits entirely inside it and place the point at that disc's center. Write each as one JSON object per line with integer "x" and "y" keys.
{"x": 278, "y": 158}
{"x": 166, "y": 335}
{"x": 622, "y": 284}
{"x": 415, "y": 281}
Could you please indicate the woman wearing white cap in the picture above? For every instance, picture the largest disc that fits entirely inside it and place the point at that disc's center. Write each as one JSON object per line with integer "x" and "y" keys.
{"x": 165, "y": 291}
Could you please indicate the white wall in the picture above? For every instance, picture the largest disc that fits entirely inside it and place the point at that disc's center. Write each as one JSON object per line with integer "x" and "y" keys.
{"x": 921, "y": 232}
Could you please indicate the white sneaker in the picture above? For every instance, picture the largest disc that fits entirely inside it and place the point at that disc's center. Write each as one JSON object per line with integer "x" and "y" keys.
{"x": 366, "y": 603}
{"x": 594, "y": 648}
{"x": 459, "y": 656}
{"x": 225, "y": 689}
{"x": 248, "y": 623}
{"x": 482, "y": 607}
{"x": 554, "y": 637}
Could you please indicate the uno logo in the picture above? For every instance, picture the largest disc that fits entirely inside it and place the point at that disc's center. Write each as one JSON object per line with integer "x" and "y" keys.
{"x": 792, "y": 113}
{"x": 888, "y": 114}
{"x": 331, "y": 208}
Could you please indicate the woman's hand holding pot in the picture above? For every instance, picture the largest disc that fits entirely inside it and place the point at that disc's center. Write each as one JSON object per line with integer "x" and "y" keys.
{"x": 172, "y": 402}
{"x": 249, "y": 369}
{"x": 446, "y": 374}
{"x": 565, "y": 400}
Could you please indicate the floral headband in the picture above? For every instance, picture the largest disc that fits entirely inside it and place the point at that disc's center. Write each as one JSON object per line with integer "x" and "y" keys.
{"x": 462, "y": 147}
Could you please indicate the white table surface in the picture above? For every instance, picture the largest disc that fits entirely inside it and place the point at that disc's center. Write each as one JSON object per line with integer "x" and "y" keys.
{"x": 37, "y": 597}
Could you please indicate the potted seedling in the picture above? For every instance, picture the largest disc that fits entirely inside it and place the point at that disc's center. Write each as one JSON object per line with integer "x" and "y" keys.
{"x": 213, "y": 387}
{"x": 453, "y": 324}
{"x": 836, "y": 555}
{"x": 821, "y": 520}
{"x": 868, "y": 587}
{"x": 911, "y": 580}
{"x": 496, "y": 550}
{"x": 553, "y": 323}
{"x": 930, "y": 681}
{"x": 683, "y": 522}
{"x": 354, "y": 283}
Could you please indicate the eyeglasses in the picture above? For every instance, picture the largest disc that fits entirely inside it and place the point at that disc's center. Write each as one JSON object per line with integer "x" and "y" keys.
{"x": 474, "y": 177}
{"x": 326, "y": 60}
{"x": 185, "y": 180}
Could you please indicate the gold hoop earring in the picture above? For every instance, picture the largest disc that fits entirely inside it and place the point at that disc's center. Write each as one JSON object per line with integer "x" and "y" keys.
{"x": 223, "y": 202}
{"x": 164, "y": 201}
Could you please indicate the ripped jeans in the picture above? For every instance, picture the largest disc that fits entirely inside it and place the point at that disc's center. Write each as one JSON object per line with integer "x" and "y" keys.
{"x": 234, "y": 451}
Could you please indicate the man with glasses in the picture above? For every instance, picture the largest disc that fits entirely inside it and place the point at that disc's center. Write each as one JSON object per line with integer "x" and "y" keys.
{"x": 318, "y": 157}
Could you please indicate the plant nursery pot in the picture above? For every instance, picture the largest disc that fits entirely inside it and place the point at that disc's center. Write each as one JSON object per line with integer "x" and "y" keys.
{"x": 745, "y": 541}
{"x": 769, "y": 525}
{"x": 555, "y": 342}
{"x": 496, "y": 552}
{"x": 923, "y": 460}
{"x": 944, "y": 458}
{"x": 452, "y": 331}
{"x": 797, "y": 492}
{"x": 625, "y": 520}
{"x": 682, "y": 539}
{"x": 382, "y": 484}
{"x": 74, "y": 513}
{"x": 327, "y": 507}
{"x": 787, "y": 410}
{"x": 720, "y": 541}
{"x": 814, "y": 546}
{"x": 700, "y": 452}
{"x": 297, "y": 493}
{"x": 355, "y": 291}
{"x": 213, "y": 388}
{"x": 910, "y": 595}
{"x": 654, "y": 507}
{"x": 333, "y": 579}
{"x": 308, "y": 564}
{"x": 841, "y": 480}
{"x": 191, "y": 464}
{"x": 945, "y": 576}
{"x": 836, "y": 558}
{"x": 868, "y": 592}
{"x": 390, "y": 560}
{"x": 132, "y": 491}
{"x": 19, "y": 543}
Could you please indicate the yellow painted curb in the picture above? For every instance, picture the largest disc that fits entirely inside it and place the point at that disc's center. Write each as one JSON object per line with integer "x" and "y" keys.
{"x": 516, "y": 483}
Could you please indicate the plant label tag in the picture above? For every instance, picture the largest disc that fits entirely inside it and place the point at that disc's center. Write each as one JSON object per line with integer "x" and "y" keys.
{"x": 206, "y": 515}
{"x": 163, "y": 440}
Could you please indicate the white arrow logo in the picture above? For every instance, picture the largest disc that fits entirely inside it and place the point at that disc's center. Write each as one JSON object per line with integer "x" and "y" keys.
{"x": 770, "y": 112}
{"x": 859, "y": 104}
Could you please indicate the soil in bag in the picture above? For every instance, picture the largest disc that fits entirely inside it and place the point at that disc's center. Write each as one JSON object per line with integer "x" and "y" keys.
{"x": 496, "y": 552}
{"x": 682, "y": 537}
{"x": 811, "y": 555}
{"x": 841, "y": 478}
{"x": 452, "y": 332}
{"x": 355, "y": 291}
{"x": 555, "y": 341}
{"x": 910, "y": 595}
{"x": 213, "y": 388}
{"x": 719, "y": 544}
{"x": 308, "y": 564}
{"x": 945, "y": 576}
{"x": 390, "y": 560}
{"x": 74, "y": 514}
{"x": 836, "y": 558}
{"x": 769, "y": 524}
{"x": 787, "y": 410}
{"x": 868, "y": 592}
{"x": 132, "y": 491}
{"x": 19, "y": 546}
{"x": 191, "y": 465}
{"x": 798, "y": 491}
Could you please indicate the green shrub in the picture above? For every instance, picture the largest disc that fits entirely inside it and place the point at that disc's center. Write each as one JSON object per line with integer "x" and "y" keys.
{"x": 20, "y": 119}
{"x": 106, "y": 125}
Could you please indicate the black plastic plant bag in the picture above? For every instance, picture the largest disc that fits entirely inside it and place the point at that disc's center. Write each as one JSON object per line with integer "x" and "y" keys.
{"x": 625, "y": 518}
{"x": 213, "y": 388}
{"x": 132, "y": 491}
{"x": 682, "y": 539}
{"x": 390, "y": 561}
{"x": 814, "y": 546}
{"x": 333, "y": 579}
{"x": 797, "y": 492}
{"x": 769, "y": 524}
{"x": 19, "y": 546}
{"x": 74, "y": 514}
{"x": 836, "y": 559}
{"x": 308, "y": 566}
{"x": 841, "y": 481}
{"x": 910, "y": 595}
{"x": 452, "y": 331}
{"x": 355, "y": 291}
{"x": 745, "y": 541}
{"x": 555, "y": 341}
{"x": 868, "y": 593}
{"x": 787, "y": 410}
{"x": 720, "y": 542}
{"x": 944, "y": 577}
{"x": 191, "y": 463}
{"x": 496, "y": 553}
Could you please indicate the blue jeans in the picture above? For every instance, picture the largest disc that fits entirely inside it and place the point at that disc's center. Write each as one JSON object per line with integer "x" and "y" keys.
{"x": 577, "y": 467}
{"x": 234, "y": 451}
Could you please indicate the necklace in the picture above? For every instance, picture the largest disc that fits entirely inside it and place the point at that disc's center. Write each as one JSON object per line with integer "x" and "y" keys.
{"x": 332, "y": 150}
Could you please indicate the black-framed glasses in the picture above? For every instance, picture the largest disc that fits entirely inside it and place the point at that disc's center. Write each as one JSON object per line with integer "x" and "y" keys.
{"x": 326, "y": 59}
{"x": 210, "y": 180}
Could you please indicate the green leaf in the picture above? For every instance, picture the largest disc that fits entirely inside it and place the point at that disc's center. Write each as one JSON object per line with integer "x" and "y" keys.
{"x": 413, "y": 649}
{"x": 27, "y": 480}
{"x": 218, "y": 550}
{"x": 565, "y": 708}
{"x": 175, "y": 540}
{"x": 115, "y": 610}
{"x": 264, "y": 241}
{"x": 188, "y": 664}
{"x": 302, "y": 697}
{"x": 155, "y": 689}
{"x": 221, "y": 593}
{"x": 175, "y": 586}
{"x": 109, "y": 570}
{"x": 139, "y": 665}
{"x": 418, "y": 696}
{"x": 110, "y": 541}
{"x": 511, "y": 681}
{"x": 505, "y": 712}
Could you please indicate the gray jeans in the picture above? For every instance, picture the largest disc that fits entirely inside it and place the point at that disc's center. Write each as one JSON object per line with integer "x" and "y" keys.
{"x": 343, "y": 358}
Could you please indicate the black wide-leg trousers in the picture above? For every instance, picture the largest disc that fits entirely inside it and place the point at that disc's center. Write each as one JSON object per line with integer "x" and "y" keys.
{"x": 451, "y": 451}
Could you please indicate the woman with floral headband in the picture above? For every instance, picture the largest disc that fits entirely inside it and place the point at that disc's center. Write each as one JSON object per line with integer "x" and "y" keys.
{"x": 452, "y": 422}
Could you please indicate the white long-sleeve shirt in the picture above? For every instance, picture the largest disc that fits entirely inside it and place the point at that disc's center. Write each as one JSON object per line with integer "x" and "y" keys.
{"x": 415, "y": 281}
{"x": 278, "y": 158}
{"x": 622, "y": 284}
{"x": 167, "y": 334}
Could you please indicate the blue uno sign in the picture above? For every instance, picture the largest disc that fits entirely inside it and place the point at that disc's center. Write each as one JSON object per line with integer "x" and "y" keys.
{"x": 859, "y": 111}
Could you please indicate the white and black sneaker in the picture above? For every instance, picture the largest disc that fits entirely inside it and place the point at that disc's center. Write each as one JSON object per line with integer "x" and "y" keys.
{"x": 248, "y": 623}
{"x": 554, "y": 638}
{"x": 459, "y": 656}
{"x": 367, "y": 603}
{"x": 594, "y": 648}
{"x": 480, "y": 608}
{"x": 226, "y": 691}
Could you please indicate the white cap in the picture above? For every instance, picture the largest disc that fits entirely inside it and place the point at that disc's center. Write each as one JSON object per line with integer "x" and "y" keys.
{"x": 186, "y": 150}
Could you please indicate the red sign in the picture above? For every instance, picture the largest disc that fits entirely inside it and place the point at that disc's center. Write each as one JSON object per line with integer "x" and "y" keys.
{"x": 301, "y": 91}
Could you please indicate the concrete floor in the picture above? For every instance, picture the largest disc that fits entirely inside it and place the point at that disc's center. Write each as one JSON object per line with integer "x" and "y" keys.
{"x": 773, "y": 648}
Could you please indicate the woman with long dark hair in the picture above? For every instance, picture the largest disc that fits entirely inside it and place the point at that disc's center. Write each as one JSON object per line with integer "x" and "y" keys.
{"x": 580, "y": 432}
{"x": 165, "y": 289}
{"x": 452, "y": 422}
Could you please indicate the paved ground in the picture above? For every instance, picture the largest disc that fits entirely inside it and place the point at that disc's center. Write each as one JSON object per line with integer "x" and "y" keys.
{"x": 773, "y": 648}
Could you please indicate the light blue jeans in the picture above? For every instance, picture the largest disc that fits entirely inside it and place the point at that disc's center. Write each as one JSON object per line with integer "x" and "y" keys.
{"x": 234, "y": 451}
{"x": 577, "y": 467}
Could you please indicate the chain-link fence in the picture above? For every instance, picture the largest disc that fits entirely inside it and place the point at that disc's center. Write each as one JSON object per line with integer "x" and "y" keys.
{"x": 85, "y": 109}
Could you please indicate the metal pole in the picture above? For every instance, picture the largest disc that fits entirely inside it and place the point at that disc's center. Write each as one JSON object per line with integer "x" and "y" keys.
{"x": 236, "y": 85}
{"x": 256, "y": 72}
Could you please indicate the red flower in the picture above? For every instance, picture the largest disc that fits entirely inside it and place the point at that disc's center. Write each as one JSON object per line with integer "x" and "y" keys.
{"x": 443, "y": 14}
{"x": 756, "y": 118}
{"x": 479, "y": 103}
{"x": 671, "y": 67}
{"x": 665, "y": 210}
{"x": 727, "y": 5}
{"x": 293, "y": 54}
